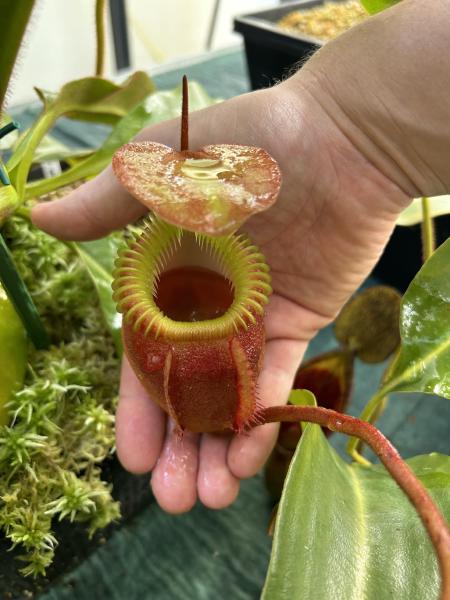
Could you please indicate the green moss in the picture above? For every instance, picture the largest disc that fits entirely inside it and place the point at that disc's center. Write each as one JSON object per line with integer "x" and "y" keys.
{"x": 62, "y": 422}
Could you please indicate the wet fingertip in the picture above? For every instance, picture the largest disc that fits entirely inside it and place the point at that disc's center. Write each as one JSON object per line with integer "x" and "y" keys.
{"x": 174, "y": 502}
{"x": 174, "y": 478}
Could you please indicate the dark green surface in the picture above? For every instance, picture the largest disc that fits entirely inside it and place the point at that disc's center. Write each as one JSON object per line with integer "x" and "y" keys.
{"x": 207, "y": 554}
{"x": 204, "y": 554}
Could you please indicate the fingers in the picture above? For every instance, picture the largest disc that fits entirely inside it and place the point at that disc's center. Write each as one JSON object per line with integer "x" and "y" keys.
{"x": 184, "y": 466}
{"x": 91, "y": 211}
{"x": 217, "y": 486}
{"x": 140, "y": 425}
{"x": 174, "y": 479}
{"x": 248, "y": 452}
{"x": 180, "y": 466}
{"x": 190, "y": 465}
{"x": 143, "y": 444}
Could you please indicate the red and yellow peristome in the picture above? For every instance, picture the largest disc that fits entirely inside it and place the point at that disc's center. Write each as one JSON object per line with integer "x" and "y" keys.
{"x": 193, "y": 330}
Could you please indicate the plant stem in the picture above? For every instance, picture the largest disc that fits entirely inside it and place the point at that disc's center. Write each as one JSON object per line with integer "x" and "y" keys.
{"x": 373, "y": 409}
{"x": 366, "y": 415}
{"x": 427, "y": 230}
{"x": 184, "y": 143}
{"x": 20, "y": 162}
{"x": 4, "y": 177}
{"x": 11, "y": 126}
{"x": 431, "y": 516}
{"x": 20, "y": 297}
{"x": 100, "y": 35}
{"x": 24, "y": 212}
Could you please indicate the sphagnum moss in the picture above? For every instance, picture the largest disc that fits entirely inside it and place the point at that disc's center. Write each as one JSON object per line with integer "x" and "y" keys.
{"x": 62, "y": 421}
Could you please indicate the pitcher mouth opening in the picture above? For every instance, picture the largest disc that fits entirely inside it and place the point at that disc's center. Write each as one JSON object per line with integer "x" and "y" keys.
{"x": 191, "y": 294}
{"x": 186, "y": 286}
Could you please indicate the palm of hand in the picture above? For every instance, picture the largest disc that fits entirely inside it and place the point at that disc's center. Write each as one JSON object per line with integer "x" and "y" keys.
{"x": 321, "y": 239}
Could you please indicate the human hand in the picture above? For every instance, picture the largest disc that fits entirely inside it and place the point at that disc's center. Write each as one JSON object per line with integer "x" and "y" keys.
{"x": 332, "y": 220}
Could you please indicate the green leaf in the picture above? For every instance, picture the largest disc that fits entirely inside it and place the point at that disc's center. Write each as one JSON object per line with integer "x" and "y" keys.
{"x": 8, "y": 201}
{"x": 374, "y": 6}
{"x": 160, "y": 106}
{"x": 13, "y": 353}
{"x": 439, "y": 205}
{"x": 302, "y": 398}
{"x": 423, "y": 363}
{"x": 15, "y": 17}
{"x": 52, "y": 149}
{"x": 91, "y": 98}
{"x": 167, "y": 104}
{"x": 97, "y": 99}
{"x": 20, "y": 297}
{"x": 346, "y": 531}
{"x": 98, "y": 257}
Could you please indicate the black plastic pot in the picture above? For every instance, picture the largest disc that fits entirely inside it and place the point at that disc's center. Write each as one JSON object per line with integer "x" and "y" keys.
{"x": 402, "y": 257}
{"x": 272, "y": 53}
{"x": 133, "y": 493}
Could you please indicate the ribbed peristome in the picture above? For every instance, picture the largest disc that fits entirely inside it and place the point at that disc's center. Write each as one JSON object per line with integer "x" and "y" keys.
{"x": 140, "y": 264}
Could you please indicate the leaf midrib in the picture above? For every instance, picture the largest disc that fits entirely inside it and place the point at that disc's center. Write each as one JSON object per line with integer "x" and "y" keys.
{"x": 404, "y": 377}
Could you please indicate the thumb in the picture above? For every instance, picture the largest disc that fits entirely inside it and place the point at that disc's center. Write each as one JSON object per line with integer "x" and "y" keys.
{"x": 91, "y": 211}
{"x": 100, "y": 205}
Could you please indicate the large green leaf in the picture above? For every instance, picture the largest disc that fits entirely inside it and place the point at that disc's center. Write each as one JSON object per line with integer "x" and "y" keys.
{"x": 52, "y": 149}
{"x": 439, "y": 205}
{"x": 98, "y": 257}
{"x": 374, "y": 6}
{"x": 167, "y": 104}
{"x": 348, "y": 532}
{"x": 423, "y": 363}
{"x": 97, "y": 99}
{"x": 91, "y": 98}
{"x": 14, "y": 19}
{"x": 160, "y": 106}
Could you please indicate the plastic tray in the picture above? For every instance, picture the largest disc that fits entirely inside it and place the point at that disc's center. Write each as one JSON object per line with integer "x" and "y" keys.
{"x": 272, "y": 53}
